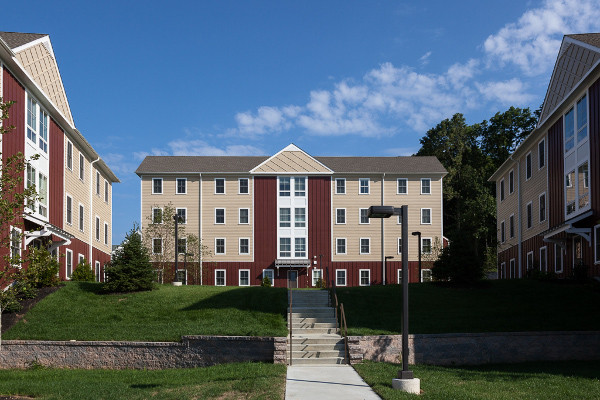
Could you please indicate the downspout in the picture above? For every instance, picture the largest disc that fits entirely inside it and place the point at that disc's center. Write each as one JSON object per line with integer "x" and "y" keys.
{"x": 92, "y": 229}
{"x": 382, "y": 234}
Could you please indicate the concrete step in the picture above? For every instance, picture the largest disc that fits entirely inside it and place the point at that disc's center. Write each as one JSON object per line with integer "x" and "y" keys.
{"x": 310, "y": 320}
{"x": 318, "y": 347}
{"x": 313, "y": 325}
{"x": 330, "y": 339}
{"x": 312, "y": 331}
{"x": 318, "y": 354}
{"x": 318, "y": 361}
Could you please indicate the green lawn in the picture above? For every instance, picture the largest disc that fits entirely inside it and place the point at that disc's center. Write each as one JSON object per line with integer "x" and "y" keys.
{"x": 495, "y": 306}
{"x": 556, "y": 380}
{"x": 228, "y": 381}
{"x": 79, "y": 311}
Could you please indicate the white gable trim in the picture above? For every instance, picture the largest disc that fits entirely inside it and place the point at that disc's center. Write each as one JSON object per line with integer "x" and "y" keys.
{"x": 291, "y": 147}
{"x": 45, "y": 40}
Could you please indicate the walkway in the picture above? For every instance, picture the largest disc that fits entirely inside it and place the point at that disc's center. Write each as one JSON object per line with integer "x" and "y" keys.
{"x": 326, "y": 382}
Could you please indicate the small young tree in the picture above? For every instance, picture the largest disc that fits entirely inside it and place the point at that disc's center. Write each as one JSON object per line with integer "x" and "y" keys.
{"x": 83, "y": 272}
{"x": 130, "y": 269}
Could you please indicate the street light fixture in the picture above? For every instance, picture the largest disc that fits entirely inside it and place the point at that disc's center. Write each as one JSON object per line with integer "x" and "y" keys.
{"x": 419, "y": 235}
{"x": 406, "y": 380}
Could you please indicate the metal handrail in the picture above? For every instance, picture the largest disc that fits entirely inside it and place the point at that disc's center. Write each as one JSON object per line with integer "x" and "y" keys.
{"x": 290, "y": 323}
{"x": 340, "y": 320}
{"x": 345, "y": 333}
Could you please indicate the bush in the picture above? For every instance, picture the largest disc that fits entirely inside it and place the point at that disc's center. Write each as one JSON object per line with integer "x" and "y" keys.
{"x": 458, "y": 262}
{"x": 130, "y": 269}
{"x": 83, "y": 272}
{"x": 320, "y": 284}
{"x": 266, "y": 282}
{"x": 42, "y": 270}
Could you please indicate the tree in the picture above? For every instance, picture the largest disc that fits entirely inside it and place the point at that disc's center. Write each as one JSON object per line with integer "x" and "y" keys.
{"x": 130, "y": 269}
{"x": 83, "y": 272}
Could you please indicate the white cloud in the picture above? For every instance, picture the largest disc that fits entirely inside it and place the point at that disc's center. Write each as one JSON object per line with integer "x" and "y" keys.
{"x": 425, "y": 58}
{"x": 186, "y": 147}
{"x": 510, "y": 92}
{"x": 401, "y": 151}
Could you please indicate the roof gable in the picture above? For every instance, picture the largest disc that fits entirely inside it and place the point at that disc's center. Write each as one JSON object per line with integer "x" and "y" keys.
{"x": 18, "y": 39}
{"x": 291, "y": 160}
{"x": 577, "y": 55}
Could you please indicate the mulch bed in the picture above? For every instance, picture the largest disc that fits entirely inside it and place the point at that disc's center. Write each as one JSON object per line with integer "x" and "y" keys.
{"x": 10, "y": 319}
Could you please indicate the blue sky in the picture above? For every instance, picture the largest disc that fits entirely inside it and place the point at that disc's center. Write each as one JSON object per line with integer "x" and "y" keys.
{"x": 249, "y": 77}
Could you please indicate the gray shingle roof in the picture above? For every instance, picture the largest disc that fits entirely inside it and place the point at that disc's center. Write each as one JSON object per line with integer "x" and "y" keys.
{"x": 231, "y": 164}
{"x": 592, "y": 39}
{"x": 16, "y": 39}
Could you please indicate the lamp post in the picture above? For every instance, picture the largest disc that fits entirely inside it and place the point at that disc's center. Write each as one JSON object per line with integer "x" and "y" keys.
{"x": 406, "y": 380}
{"x": 419, "y": 235}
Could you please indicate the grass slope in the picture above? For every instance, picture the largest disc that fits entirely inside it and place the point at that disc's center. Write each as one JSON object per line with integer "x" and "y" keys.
{"x": 227, "y": 381}
{"x": 80, "y": 312}
{"x": 556, "y": 380}
{"x": 495, "y": 306}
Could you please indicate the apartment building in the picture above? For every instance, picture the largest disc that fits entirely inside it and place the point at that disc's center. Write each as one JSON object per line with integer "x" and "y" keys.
{"x": 73, "y": 216}
{"x": 295, "y": 218}
{"x": 548, "y": 190}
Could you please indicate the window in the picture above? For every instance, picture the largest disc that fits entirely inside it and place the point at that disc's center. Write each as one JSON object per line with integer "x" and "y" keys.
{"x": 340, "y": 215}
{"x": 219, "y": 277}
{"x": 105, "y": 191}
{"x": 340, "y": 246}
{"x": 300, "y": 247}
{"x": 426, "y": 275}
{"x": 570, "y": 193}
{"x": 31, "y": 173}
{"x": 285, "y": 218}
{"x": 15, "y": 245}
{"x": 530, "y": 261}
{"x": 543, "y": 259}
{"x": 364, "y": 185}
{"x": 219, "y": 185}
{"x": 511, "y": 182}
{"x": 365, "y": 246}
{"x": 501, "y": 190}
{"x": 243, "y": 186}
{"x": 219, "y": 215}
{"x": 300, "y": 217}
{"x": 578, "y": 191}
{"x": 181, "y": 185}
{"x": 43, "y": 142}
{"x": 541, "y": 154}
{"x": 81, "y": 259}
{"x": 364, "y": 216}
{"x": 503, "y": 270}
{"x": 81, "y": 217}
{"x": 285, "y": 247}
{"x": 502, "y": 232}
{"x": 244, "y": 246}
{"x": 32, "y": 124}
{"x": 402, "y": 186}
{"x": 513, "y": 272}
{"x": 542, "y": 207}
{"x": 528, "y": 166}
{"x": 157, "y": 215}
{"x": 220, "y": 246}
{"x": 97, "y": 228}
{"x": 182, "y": 215}
{"x": 105, "y": 233}
{"x": 69, "y": 263}
{"x": 299, "y": 187}
{"x": 69, "y": 211}
{"x": 426, "y": 245}
{"x": 400, "y": 219}
{"x": 43, "y": 195}
{"x": 340, "y": 277}
{"x": 340, "y": 186}
{"x": 70, "y": 155}
{"x": 157, "y": 246}
{"x": 597, "y": 244}
{"x": 182, "y": 245}
{"x": 98, "y": 271}
{"x": 157, "y": 185}
{"x": 284, "y": 187}
{"x": 399, "y": 273}
{"x": 244, "y": 218}
{"x": 511, "y": 226}
{"x": 529, "y": 215}
{"x": 425, "y": 186}
{"x": 365, "y": 277}
{"x": 399, "y": 245}
{"x": 317, "y": 275}
{"x": 425, "y": 216}
{"x": 81, "y": 166}
{"x": 269, "y": 273}
{"x": 244, "y": 277}
{"x": 576, "y": 132}
{"x": 559, "y": 255}
{"x": 97, "y": 183}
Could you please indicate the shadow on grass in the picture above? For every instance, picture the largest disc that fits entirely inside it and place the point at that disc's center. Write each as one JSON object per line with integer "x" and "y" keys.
{"x": 260, "y": 299}
{"x": 90, "y": 287}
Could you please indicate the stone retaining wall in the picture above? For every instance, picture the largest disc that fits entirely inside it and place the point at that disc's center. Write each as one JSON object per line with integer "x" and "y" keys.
{"x": 478, "y": 348}
{"x": 192, "y": 351}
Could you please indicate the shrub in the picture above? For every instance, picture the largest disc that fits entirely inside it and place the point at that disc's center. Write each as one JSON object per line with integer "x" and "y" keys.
{"x": 42, "y": 270}
{"x": 266, "y": 282}
{"x": 130, "y": 269}
{"x": 458, "y": 262}
{"x": 83, "y": 272}
{"x": 320, "y": 284}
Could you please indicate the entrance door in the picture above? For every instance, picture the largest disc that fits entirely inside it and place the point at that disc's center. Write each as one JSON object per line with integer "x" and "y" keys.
{"x": 292, "y": 279}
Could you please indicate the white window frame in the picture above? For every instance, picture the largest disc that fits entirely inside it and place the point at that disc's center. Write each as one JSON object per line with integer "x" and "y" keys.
{"x": 240, "y": 246}
{"x": 161, "y": 215}
{"x": 558, "y": 250}
{"x": 240, "y": 276}
{"x": 298, "y": 192}
{"x": 224, "y": 216}
{"x": 80, "y": 258}
{"x": 217, "y": 271}
{"x": 360, "y": 210}
{"x": 281, "y": 251}
{"x": 98, "y": 183}
{"x": 337, "y": 216}
{"x": 399, "y": 276}
{"x": 184, "y": 239}
{"x": 240, "y": 216}
{"x": 299, "y": 224}
{"x": 97, "y": 270}
{"x": 511, "y": 226}
{"x": 20, "y": 234}
{"x": 423, "y": 239}
{"x": 501, "y": 190}
{"x": 68, "y": 260}
{"x": 240, "y": 185}
{"x": 106, "y": 196}
{"x": 527, "y": 264}
{"x": 529, "y": 215}
{"x": 360, "y": 181}
{"x": 528, "y": 166}
{"x": 399, "y": 246}
{"x": 597, "y": 244}
{"x": 540, "y": 208}
{"x": 161, "y": 245}
{"x": 423, "y": 272}
{"x": 280, "y": 221}
{"x": 184, "y": 214}
{"x": 177, "y": 185}
{"x": 360, "y": 250}
{"x": 512, "y": 269}
{"x": 298, "y": 254}
{"x": 271, "y": 272}
{"x": 81, "y": 219}
{"x": 224, "y": 186}
{"x": 336, "y": 185}
{"x": 543, "y": 268}
{"x": 511, "y": 181}
{"x": 81, "y": 167}
{"x": 425, "y": 180}
{"x": 345, "y": 277}
{"x": 161, "y": 185}
{"x": 224, "y": 246}
{"x": 345, "y": 246}
{"x": 284, "y": 193}
{"x": 503, "y": 270}
{"x": 405, "y": 186}
{"x": 68, "y": 215}
{"x": 106, "y": 233}
{"x": 430, "y": 216}
{"x": 502, "y": 232}
{"x": 97, "y": 228}
{"x": 316, "y": 278}
{"x": 541, "y": 160}
{"x": 360, "y": 272}
{"x": 69, "y": 161}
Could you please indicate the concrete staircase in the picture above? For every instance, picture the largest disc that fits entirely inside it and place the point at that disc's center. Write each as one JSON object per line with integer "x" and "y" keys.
{"x": 314, "y": 337}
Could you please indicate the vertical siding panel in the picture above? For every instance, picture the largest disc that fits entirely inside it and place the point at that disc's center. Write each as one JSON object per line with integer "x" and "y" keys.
{"x": 265, "y": 231}
{"x": 319, "y": 219}
{"x": 56, "y": 181}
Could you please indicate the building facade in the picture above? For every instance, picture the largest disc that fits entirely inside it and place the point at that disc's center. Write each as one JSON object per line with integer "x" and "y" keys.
{"x": 73, "y": 216}
{"x": 295, "y": 218}
{"x": 548, "y": 190}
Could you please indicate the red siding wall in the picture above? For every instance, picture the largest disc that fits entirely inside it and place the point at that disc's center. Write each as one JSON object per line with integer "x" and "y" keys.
{"x": 265, "y": 221}
{"x": 319, "y": 223}
{"x": 78, "y": 247}
{"x": 556, "y": 201}
{"x": 56, "y": 189}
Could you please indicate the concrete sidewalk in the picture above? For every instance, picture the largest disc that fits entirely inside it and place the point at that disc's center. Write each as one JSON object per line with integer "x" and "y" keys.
{"x": 326, "y": 382}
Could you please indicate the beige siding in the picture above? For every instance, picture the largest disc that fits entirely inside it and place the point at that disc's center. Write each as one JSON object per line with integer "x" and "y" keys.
{"x": 79, "y": 190}
{"x": 232, "y": 230}
{"x": 292, "y": 162}
{"x": 507, "y": 207}
{"x": 530, "y": 192}
{"x": 103, "y": 210}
